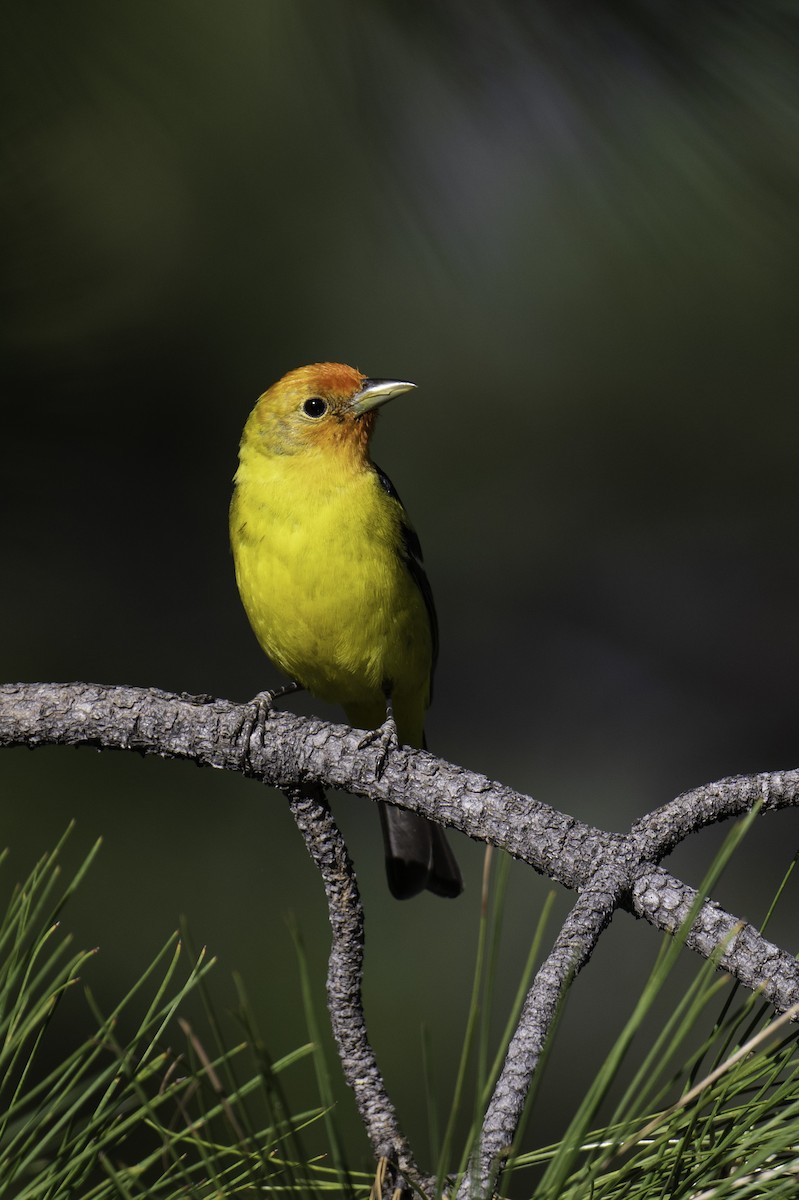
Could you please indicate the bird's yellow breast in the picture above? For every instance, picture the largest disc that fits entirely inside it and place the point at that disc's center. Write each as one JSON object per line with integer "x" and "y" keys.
{"x": 318, "y": 549}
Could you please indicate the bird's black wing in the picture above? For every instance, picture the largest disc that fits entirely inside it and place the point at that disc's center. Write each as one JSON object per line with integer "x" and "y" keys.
{"x": 413, "y": 561}
{"x": 418, "y": 854}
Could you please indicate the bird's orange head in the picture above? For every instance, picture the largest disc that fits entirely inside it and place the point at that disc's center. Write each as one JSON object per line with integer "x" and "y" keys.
{"x": 323, "y": 407}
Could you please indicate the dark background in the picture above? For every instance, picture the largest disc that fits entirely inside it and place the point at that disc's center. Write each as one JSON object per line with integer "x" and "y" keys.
{"x": 575, "y": 228}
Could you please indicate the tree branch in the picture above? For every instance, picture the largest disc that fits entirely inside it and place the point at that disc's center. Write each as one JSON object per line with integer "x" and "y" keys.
{"x": 572, "y": 949}
{"x": 326, "y": 847}
{"x": 748, "y": 956}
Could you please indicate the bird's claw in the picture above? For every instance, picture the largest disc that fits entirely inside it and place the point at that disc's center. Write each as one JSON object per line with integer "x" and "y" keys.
{"x": 264, "y": 705}
{"x": 261, "y": 708}
{"x": 385, "y": 738}
{"x": 258, "y": 711}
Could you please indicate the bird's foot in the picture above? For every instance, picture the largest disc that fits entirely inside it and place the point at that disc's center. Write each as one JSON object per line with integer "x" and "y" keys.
{"x": 261, "y": 708}
{"x": 385, "y": 738}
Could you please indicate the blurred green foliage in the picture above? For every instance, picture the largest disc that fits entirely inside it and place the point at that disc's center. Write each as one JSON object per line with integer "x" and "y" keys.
{"x": 575, "y": 228}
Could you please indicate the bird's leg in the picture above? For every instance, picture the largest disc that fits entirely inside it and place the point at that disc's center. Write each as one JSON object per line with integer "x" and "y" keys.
{"x": 385, "y": 737}
{"x": 266, "y": 700}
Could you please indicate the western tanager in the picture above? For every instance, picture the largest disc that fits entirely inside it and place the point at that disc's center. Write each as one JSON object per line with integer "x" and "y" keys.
{"x": 329, "y": 571}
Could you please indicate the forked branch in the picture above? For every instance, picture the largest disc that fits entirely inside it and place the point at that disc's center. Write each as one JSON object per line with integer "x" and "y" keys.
{"x": 301, "y": 756}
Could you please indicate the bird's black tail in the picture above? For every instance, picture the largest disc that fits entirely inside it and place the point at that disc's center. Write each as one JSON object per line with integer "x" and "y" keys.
{"x": 418, "y": 855}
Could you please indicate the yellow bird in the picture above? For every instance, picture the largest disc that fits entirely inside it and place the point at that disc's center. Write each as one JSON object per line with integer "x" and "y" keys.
{"x": 329, "y": 571}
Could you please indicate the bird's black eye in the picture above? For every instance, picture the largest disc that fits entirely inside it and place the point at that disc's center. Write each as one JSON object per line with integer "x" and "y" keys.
{"x": 314, "y": 407}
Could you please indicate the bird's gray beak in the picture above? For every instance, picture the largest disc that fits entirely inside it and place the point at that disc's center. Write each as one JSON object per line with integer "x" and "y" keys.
{"x": 376, "y": 392}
